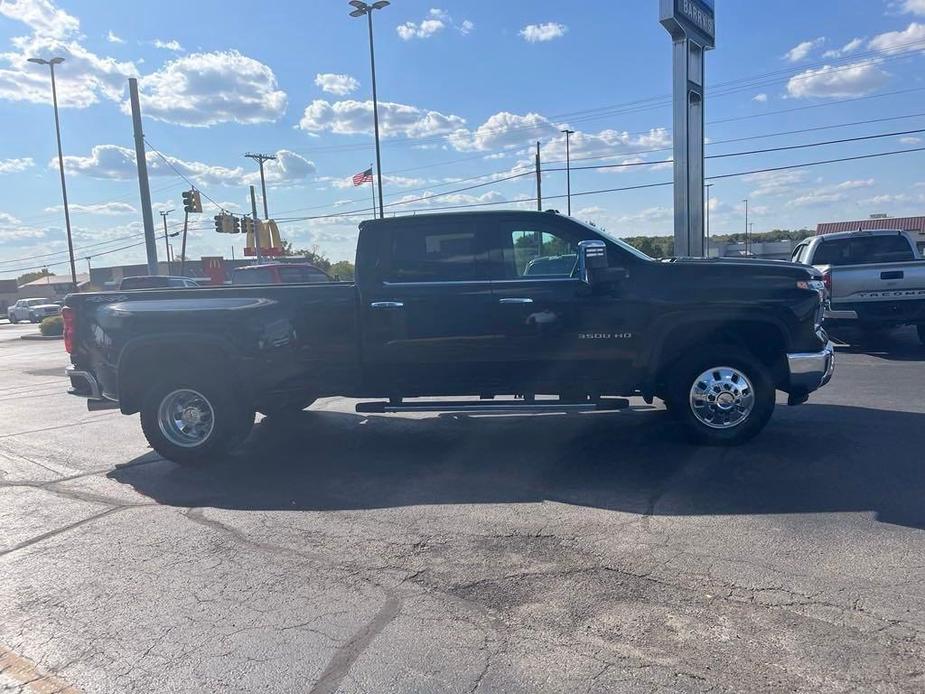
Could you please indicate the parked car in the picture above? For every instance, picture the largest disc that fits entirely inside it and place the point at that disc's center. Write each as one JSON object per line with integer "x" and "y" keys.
{"x": 441, "y": 307}
{"x": 32, "y": 310}
{"x": 875, "y": 279}
{"x": 156, "y": 282}
{"x": 279, "y": 273}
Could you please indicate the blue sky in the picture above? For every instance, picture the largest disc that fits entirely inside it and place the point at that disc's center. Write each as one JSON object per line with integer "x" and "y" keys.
{"x": 465, "y": 88}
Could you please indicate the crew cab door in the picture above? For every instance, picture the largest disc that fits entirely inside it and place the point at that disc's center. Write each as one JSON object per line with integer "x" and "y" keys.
{"x": 556, "y": 333}
{"x": 427, "y": 322}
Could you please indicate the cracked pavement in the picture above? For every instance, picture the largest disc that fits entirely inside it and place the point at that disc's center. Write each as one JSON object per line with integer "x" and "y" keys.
{"x": 444, "y": 553}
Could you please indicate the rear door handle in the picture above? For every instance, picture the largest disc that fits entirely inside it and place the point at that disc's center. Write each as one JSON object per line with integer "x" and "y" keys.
{"x": 387, "y": 304}
{"x": 516, "y": 300}
{"x": 894, "y": 275}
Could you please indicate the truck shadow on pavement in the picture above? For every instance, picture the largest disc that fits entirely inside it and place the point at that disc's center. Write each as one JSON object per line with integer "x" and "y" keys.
{"x": 812, "y": 459}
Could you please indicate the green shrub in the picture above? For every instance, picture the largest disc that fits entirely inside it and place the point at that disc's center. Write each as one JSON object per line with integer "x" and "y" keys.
{"x": 53, "y": 325}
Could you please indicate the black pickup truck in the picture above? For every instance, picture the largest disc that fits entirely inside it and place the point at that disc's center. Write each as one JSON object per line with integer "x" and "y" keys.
{"x": 502, "y": 311}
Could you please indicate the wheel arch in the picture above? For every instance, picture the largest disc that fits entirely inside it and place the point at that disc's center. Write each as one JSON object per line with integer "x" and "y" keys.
{"x": 144, "y": 360}
{"x": 762, "y": 336}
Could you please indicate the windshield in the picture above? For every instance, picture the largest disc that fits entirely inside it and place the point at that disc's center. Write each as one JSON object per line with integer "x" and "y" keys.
{"x": 613, "y": 239}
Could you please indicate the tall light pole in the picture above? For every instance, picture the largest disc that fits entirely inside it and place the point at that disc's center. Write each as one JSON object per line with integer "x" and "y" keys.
{"x": 708, "y": 186}
{"x": 260, "y": 158}
{"x": 568, "y": 169}
{"x": 363, "y": 9}
{"x": 166, "y": 241}
{"x": 67, "y": 216}
{"x": 746, "y": 226}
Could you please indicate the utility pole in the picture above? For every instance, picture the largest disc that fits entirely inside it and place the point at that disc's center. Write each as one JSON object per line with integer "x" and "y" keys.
{"x": 147, "y": 215}
{"x": 746, "y": 226}
{"x": 166, "y": 242}
{"x": 361, "y": 8}
{"x": 539, "y": 180}
{"x": 256, "y": 231}
{"x": 568, "y": 168}
{"x": 260, "y": 158}
{"x": 67, "y": 217}
{"x": 707, "y": 253}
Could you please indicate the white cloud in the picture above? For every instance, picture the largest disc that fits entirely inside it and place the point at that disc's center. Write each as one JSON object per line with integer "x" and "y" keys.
{"x": 16, "y": 165}
{"x": 112, "y": 38}
{"x": 172, "y": 45}
{"x": 387, "y": 182}
{"x": 802, "y": 50}
{"x": 914, "y": 6}
{"x": 115, "y": 162}
{"x": 503, "y": 130}
{"x": 911, "y": 140}
{"x": 352, "y": 117}
{"x": 7, "y": 219}
{"x": 851, "y": 47}
{"x": 774, "y": 183}
{"x": 826, "y": 195}
{"x": 535, "y": 33}
{"x": 760, "y": 98}
{"x": 203, "y": 89}
{"x": 104, "y": 208}
{"x": 333, "y": 83}
{"x": 909, "y": 39}
{"x": 42, "y": 17}
{"x": 436, "y": 21}
{"x": 83, "y": 78}
{"x": 856, "y": 79}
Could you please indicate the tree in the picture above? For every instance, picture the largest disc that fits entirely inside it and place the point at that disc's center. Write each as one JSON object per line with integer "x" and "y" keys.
{"x": 32, "y": 276}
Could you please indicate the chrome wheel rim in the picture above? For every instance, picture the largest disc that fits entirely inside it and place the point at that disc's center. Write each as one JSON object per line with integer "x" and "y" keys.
{"x": 722, "y": 397}
{"x": 186, "y": 418}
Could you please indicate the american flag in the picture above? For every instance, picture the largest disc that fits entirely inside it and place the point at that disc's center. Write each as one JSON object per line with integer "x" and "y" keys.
{"x": 363, "y": 177}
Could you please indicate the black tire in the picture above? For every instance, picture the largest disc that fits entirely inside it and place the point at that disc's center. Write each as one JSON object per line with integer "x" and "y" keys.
{"x": 231, "y": 421}
{"x": 13, "y": 321}
{"x": 685, "y": 376}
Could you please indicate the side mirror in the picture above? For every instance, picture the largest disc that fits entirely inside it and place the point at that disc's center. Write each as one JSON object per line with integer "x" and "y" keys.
{"x": 592, "y": 258}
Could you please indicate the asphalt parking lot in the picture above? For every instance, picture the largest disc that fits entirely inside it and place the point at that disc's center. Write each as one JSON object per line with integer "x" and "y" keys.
{"x": 554, "y": 553}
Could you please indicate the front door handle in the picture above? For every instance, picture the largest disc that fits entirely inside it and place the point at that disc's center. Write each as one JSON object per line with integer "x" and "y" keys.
{"x": 516, "y": 300}
{"x": 387, "y": 304}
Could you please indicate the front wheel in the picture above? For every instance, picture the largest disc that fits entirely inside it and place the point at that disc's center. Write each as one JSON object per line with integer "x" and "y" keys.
{"x": 723, "y": 396}
{"x": 13, "y": 319}
{"x": 194, "y": 420}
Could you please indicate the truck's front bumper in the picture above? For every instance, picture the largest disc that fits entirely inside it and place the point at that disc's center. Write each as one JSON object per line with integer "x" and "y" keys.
{"x": 85, "y": 385}
{"x": 810, "y": 371}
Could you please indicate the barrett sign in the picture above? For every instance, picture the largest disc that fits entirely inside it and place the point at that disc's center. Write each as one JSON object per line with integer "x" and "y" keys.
{"x": 694, "y": 19}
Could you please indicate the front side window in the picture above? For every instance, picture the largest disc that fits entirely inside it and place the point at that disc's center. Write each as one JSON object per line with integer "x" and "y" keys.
{"x": 534, "y": 253}
{"x": 437, "y": 254}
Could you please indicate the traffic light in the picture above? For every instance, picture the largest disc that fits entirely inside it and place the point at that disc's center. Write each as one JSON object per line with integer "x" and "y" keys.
{"x": 191, "y": 201}
{"x": 247, "y": 225}
{"x": 227, "y": 224}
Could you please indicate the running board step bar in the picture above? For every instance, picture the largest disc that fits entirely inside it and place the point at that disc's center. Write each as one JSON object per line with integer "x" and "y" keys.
{"x": 493, "y": 406}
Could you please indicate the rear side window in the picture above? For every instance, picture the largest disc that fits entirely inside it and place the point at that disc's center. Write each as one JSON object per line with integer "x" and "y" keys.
{"x": 799, "y": 253}
{"x": 864, "y": 250}
{"x": 449, "y": 253}
{"x": 294, "y": 274}
{"x": 259, "y": 275}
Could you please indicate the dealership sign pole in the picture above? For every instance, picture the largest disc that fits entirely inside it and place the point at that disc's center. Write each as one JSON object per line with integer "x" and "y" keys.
{"x": 692, "y": 25}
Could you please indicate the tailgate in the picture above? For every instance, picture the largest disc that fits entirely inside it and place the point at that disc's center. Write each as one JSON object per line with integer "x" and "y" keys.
{"x": 881, "y": 282}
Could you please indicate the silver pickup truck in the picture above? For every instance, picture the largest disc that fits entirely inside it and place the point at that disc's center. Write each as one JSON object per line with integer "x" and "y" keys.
{"x": 875, "y": 279}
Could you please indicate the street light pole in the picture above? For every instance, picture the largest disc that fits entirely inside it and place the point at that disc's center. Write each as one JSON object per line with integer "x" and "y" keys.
{"x": 166, "y": 241}
{"x": 67, "y": 216}
{"x": 568, "y": 169}
{"x": 363, "y": 9}
{"x": 708, "y": 186}
{"x": 746, "y": 226}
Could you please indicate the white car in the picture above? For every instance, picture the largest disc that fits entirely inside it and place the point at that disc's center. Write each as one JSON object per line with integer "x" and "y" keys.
{"x": 32, "y": 310}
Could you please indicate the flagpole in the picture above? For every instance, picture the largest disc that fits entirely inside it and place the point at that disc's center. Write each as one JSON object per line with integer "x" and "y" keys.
{"x": 372, "y": 187}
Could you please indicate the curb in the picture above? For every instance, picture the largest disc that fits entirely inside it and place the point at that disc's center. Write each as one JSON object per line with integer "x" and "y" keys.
{"x": 39, "y": 338}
